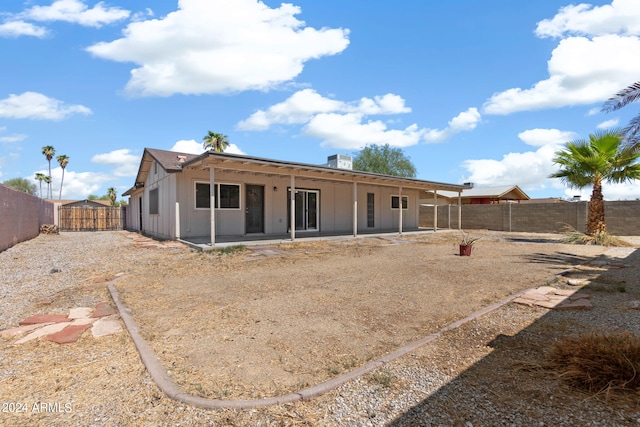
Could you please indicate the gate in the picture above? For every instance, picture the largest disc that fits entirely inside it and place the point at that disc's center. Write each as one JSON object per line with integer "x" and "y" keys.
{"x": 91, "y": 218}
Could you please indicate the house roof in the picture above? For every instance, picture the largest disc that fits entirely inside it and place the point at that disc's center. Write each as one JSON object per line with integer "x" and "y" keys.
{"x": 242, "y": 163}
{"x": 504, "y": 192}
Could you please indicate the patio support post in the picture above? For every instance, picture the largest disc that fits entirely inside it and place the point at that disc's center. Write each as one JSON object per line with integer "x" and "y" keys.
{"x": 435, "y": 210}
{"x": 212, "y": 205}
{"x": 292, "y": 223}
{"x": 177, "y": 220}
{"x": 400, "y": 216}
{"x": 459, "y": 210}
{"x": 355, "y": 209}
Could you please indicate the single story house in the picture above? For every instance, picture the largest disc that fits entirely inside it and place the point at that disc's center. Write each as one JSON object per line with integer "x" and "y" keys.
{"x": 477, "y": 196}
{"x": 257, "y": 197}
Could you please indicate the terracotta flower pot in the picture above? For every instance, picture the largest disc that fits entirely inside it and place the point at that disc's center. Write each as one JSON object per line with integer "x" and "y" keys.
{"x": 465, "y": 250}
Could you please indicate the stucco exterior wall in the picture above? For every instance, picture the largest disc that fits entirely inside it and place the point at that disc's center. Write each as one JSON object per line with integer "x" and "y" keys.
{"x": 21, "y": 216}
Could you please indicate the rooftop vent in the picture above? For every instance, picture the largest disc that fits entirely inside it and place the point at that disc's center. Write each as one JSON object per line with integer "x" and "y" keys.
{"x": 340, "y": 161}
{"x": 182, "y": 159}
{"x": 469, "y": 184}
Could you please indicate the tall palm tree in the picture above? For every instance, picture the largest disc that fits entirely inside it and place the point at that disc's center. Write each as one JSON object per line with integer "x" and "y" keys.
{"x": 48, "y": 151}
{"x": 63, "y": 160}
{"x": 626, "y": 96}
{"x": 112, "y": 194}
{"x": 215, "y": 142}
{"x": 40, "y": 177}
{"x": 47, "y": 179}
{"x": 603, "y": 158}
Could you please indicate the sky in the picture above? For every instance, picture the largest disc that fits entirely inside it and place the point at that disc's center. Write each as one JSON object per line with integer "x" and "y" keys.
{"x": 483, "y": 92}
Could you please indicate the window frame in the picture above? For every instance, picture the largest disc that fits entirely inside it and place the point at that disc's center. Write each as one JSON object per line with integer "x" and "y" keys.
{"x": 405, "y": 202}
{"x": 154, "y": 201}
{"x": 217, "y": 198}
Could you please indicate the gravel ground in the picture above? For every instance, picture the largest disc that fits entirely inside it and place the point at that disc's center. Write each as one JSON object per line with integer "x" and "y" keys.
{"x": 488, "y": 372}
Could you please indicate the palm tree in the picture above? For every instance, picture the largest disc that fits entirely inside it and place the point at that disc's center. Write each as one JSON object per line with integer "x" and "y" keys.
{"x": 619, "y": 100}
{"x": 48, "y": 151}
{"x": 111, "y": 193}
{"x": 604, "y": 157}
{"x": 63, "y": 159}
{"x": 215, "y": 142}
{"x": 40, "y": 177}
{"x": 47, "y": 179}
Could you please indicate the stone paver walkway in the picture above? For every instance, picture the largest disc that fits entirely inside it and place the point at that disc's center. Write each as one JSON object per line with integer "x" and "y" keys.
{"x": 64, "y": 329}
{"x": 559, "y": 299}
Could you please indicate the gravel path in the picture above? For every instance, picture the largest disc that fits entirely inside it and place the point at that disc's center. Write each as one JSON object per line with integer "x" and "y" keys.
{"x": 487, "y": 372}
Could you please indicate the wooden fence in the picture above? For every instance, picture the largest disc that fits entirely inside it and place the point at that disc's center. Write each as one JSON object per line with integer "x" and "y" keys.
{"x": 91, "y": 218}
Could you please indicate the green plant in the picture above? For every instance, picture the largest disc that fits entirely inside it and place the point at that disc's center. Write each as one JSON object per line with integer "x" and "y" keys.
{"x": 467, "y": 240}
{"x": 383, "y": 377}
{"x": 228, "y": 250}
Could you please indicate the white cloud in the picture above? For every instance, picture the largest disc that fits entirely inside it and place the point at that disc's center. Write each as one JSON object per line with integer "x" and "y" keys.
{"x": 219, "y": 46}
{"x": 465, "y": 121}
{"x": 191, "y": 146}
{"x": 125, "y": 164}
{"x": 303, "y": 105}
{"x": 76, "y": 185}
{"x": 20, "y": 28}
{"x": 612, "y": 192}
{"x": 32, "y": 105}
{"x": 75, "y": 11}
{"x": 598, "y": 55}
{"x": 529, "y": 170}
{"x": 347, "y": 131}
{"x": 543, "y": 137}
{"x": 607, "y": 124}
{"x": 619, "y": 17}
{"x": 346, "y": 125}
{"x": 582, "y": 71}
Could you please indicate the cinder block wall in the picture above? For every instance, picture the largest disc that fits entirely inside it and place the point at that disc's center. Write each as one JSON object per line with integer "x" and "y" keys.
{"x": 623, "y": 217}
{"x": 21, "y": 216}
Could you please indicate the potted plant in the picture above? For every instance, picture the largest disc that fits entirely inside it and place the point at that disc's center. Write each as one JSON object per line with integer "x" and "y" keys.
{"x": 466, "y": 244}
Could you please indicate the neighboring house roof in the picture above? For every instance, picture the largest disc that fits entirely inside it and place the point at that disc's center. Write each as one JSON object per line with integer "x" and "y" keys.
{"x": 174, "y": 162}
{"x": 546, "y": 200}
{"x": 504, "y": 192}
{"x": 85, "y": 202}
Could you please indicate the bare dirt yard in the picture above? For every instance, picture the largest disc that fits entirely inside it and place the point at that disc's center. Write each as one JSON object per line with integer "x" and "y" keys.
{"x": 250, "y": 326}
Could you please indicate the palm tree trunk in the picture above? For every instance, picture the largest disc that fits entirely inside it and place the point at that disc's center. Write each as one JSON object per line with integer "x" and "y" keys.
{"x": 61, "y": 182}
{"x": 49, "y": 192}
{"x": 595, "y": 222}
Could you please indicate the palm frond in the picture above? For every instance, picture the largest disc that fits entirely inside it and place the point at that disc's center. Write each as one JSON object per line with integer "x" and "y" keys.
{"x": 625, "y": 96}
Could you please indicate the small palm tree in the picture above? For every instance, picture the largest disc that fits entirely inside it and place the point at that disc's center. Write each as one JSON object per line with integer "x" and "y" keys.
{"x": 47, "y": 180}
{"x": 215, "y": 142}
{"x": 112, "y": 194}
{"x": 48, "y": 151}
{"x": 63, "y": 160}
{"x": 40, "y": 177}
{"x": 619, "y": 100}
{"x": 604, "y": 157}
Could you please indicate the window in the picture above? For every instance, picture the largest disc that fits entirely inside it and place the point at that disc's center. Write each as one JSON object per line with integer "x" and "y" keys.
{"x": 370, "y": 210}
{"x": 395, "y": 200}
{"x": 154, "y": 202}
{"x": 227, "y": 196}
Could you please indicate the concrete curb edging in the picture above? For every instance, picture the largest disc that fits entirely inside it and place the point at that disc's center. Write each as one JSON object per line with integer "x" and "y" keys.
{"x": 173, "y": 391}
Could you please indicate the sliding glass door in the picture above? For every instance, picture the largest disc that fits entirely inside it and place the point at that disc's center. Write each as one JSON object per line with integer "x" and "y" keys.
{"x": 307, "y": 212}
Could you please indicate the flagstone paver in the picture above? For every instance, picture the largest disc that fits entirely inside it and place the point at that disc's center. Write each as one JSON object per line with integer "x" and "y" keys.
{"x": 106, "y": 326}
{"x": 63, "y": 329}
{"x": 45, "y": 318}
{"x": 558, "y": 299}
{"x": 68, "y": 335}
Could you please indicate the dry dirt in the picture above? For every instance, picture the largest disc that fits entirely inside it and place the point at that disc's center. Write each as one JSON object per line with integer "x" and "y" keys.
{"x": 240, "y": 328}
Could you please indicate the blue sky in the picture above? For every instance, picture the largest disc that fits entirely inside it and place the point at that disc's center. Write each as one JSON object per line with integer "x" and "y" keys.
{"x": 481, "y": 92}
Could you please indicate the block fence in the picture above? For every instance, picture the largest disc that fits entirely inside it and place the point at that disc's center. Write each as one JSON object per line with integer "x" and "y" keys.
{"x": 21, "y": 216}
{"x": 622, "y": 217}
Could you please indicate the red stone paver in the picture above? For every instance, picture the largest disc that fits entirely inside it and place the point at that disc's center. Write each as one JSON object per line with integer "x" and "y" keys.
{"x": 103, "y": 309}
{"x": 45, "y": 318}
{"x": 68, "y": 335}
{"x": 22, "y": 329}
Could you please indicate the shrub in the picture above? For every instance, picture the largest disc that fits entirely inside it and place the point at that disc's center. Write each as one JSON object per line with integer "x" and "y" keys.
{"x": 599, "y": 362}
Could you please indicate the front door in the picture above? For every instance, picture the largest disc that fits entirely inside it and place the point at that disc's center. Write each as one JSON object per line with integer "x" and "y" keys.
{"x": 307, "y": 212}
{"x": 254, "y": 209}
